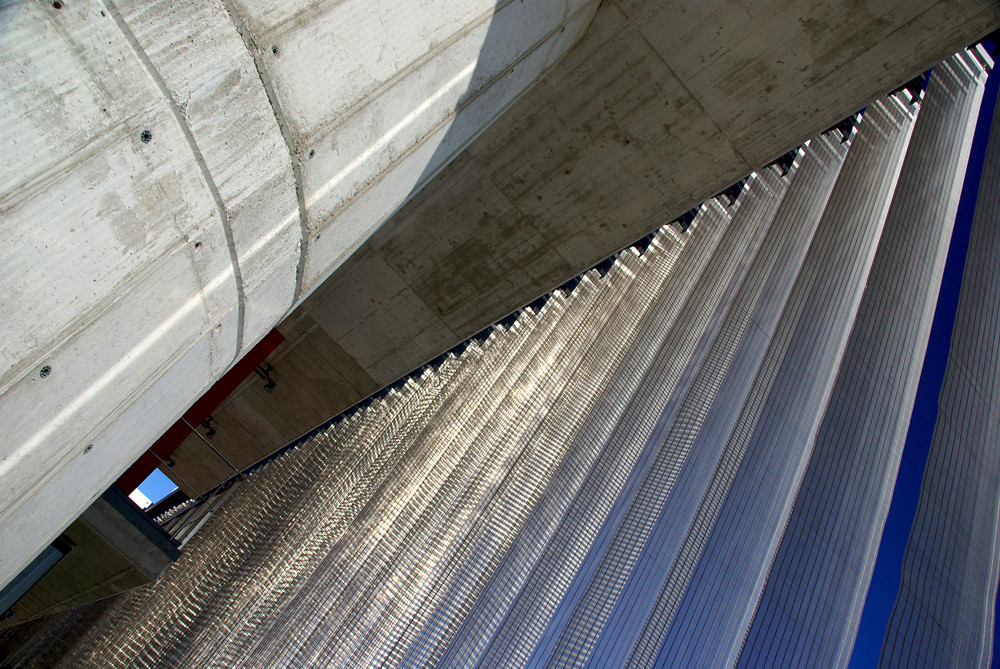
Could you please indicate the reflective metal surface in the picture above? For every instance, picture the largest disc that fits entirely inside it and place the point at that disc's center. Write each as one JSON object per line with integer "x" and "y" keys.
{"x": 943, "y": 614}
{"x": 684, "y": 461}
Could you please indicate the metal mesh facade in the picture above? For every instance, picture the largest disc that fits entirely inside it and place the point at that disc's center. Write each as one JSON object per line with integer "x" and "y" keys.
{"x": 943, "y": 614}
{"x": 684, "y": 461}
{"x": 809, "y": 610}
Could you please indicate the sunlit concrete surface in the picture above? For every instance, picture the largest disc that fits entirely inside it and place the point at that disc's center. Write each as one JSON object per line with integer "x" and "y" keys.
{"x": 179, "y": 174}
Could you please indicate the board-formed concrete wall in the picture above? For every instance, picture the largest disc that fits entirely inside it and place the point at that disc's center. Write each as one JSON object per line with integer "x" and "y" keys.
{"x": 179, "y": 174}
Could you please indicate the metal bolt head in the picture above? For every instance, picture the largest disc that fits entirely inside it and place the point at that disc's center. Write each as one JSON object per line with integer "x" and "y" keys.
{"x": 44, "y": 371}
